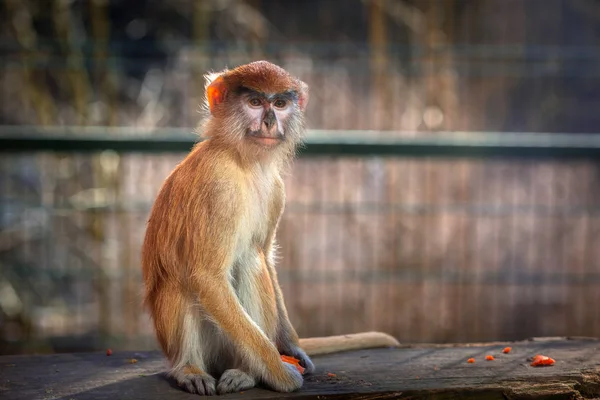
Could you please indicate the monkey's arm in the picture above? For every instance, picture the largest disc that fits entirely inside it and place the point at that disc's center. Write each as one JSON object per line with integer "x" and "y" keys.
{"x": 286, "y": 334}
{"x": 286, "y": 340}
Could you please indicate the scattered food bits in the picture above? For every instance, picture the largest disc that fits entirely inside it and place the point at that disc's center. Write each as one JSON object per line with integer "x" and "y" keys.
{"x": 331, "y": 375}
{"x": 542, "y": 361}
{"x": 109, "y": 352}
{"x": 489, "y": 358}
{"x": 293, "y": 361}
{"x": 471, "y": 360}
{"x": 507, "y": 350}
{"x": 132, "y": 361}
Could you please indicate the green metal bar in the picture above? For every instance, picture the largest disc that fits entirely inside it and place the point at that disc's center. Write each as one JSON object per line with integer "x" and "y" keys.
{"x": 318, "y": 142}
{"x": 294, "y": 207}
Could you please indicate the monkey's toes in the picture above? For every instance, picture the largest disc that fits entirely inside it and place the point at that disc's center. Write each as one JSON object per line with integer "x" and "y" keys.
{"x": 203, "y": 385}
{"x": 235, "y": 380}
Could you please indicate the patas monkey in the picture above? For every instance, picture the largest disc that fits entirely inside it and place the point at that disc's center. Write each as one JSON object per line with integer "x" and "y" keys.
{"x": 210, "y": 283}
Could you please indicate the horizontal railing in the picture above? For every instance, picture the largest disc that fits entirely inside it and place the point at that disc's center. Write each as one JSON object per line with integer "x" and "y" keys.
{"x": 317, "y": 143}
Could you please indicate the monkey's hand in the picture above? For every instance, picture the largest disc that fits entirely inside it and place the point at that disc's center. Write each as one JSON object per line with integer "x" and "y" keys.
{"x": 290, "y": 381}
{"x": 298, "y": 353}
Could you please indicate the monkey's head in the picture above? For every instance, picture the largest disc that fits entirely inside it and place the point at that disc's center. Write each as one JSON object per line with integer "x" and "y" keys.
{"x": 258, "y": 106}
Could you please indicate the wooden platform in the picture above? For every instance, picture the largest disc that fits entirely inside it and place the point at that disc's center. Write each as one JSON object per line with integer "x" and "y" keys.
{"x": 411, "y": 372}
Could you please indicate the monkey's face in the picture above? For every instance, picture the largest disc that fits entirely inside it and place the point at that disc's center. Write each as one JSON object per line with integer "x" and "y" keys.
{"x": 270, "y": 117}
{"x": 256, "y": 108}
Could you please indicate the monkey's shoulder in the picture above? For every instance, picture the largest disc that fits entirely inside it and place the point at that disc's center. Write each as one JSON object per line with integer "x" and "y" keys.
{"x": 209, "y": 175}
{"x": 206, "y": 164}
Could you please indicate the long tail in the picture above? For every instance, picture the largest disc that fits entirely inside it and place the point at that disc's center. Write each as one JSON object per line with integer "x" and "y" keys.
{"x": 355, "y": 341}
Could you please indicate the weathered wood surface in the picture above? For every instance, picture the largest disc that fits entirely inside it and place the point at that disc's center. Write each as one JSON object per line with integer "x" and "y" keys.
{"x": 411, "y": 372}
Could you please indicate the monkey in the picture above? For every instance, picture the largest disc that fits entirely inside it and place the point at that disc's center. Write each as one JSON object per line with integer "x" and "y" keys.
{"x": 210, "y": 283}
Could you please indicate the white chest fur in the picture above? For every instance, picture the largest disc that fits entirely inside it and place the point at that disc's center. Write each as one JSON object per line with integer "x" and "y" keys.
{"x": 258, "y": 196}
{"x": 251, "y": 236}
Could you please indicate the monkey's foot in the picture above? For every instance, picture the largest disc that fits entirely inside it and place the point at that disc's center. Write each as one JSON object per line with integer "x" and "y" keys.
{"x": 200, "y": 383}
{"x": 234, "y": 380}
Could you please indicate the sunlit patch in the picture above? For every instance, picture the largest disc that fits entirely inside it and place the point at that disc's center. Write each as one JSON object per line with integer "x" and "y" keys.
{"x": 216, "y": 92}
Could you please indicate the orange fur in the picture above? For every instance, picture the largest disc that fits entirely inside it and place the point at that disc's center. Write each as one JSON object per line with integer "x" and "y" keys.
{"x": 192, "y": 369}
{"x": 263, "y": 76}
{"x": 210, "y": 282}
{"x": 259, "y": 75}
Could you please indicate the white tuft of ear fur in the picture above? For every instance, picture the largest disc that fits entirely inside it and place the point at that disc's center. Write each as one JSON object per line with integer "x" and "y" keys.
{"x": 204, "y": 107}
{"x": 211, "y": 76}
{"x": 208, "y": 79}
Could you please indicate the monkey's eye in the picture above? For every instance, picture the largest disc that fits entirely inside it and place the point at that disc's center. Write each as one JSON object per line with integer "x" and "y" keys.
{"x": 255, "y": 102}
{"x": 280, "y": 103}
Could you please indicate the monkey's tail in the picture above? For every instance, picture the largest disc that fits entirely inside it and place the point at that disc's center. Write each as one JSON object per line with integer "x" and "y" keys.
{"x": 355, "y": 341}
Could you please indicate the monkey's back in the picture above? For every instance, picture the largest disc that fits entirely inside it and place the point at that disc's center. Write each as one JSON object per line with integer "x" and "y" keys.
{"x": 180, "y": 212}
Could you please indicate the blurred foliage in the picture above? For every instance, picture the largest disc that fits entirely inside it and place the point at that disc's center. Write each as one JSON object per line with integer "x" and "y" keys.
{"x": 444, "y": 245}
{"x": 427, "y": 65}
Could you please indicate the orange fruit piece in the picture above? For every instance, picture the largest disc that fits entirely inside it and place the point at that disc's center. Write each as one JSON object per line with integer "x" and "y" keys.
{"x": 489, "y": 358}
{"x": 471, "y": 360}
{"x": 540, "y": 361}
{"x": 507, "y": 350}
{"x": 293, "y": 361}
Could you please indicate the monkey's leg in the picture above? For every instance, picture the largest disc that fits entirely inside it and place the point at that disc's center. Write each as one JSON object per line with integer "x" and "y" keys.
{"x": 179, "y": 330}
{"x": 287, "y": 341}
{"x": 260, "y": 356}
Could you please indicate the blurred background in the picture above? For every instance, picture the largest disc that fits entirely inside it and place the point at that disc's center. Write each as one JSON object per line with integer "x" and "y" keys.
{"x": 449, "y": 190}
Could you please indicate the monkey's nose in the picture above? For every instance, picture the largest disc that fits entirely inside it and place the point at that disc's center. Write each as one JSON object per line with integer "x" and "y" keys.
{"x": 269, "y": 120}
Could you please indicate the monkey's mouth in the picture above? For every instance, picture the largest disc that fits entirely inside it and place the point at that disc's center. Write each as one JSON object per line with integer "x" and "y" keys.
{"x": 265, "y": 140}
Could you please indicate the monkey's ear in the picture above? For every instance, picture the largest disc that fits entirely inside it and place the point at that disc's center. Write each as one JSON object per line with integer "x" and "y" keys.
{"x": 303, "y": 96}
{"x": 216, "y": 92}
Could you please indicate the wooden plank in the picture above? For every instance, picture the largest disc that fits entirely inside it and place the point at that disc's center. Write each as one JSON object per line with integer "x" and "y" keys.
{"x": 411, "y": 372}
